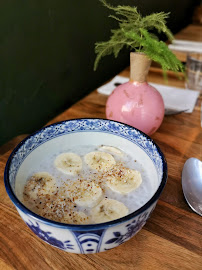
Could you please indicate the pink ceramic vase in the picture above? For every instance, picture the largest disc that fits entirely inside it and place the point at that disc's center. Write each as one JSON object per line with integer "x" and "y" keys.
{"x": 137, "y": 103}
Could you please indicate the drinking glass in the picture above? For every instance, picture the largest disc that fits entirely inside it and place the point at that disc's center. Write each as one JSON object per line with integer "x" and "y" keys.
{"x": 194, "y": 71}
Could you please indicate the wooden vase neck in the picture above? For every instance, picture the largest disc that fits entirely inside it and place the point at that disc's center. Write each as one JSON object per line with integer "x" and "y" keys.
{"x": 139, "y": 67}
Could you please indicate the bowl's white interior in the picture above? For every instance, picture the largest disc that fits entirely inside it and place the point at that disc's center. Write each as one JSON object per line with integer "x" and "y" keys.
{"x": 32, "y": 161}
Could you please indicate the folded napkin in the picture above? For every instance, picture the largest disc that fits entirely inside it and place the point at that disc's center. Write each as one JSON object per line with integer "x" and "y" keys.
{"x": 186, "y": 46}
{"x": 174, "y": 98}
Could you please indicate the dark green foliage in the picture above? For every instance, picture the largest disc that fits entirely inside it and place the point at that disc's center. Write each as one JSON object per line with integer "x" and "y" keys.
{"x": 133, "y": 32}
{"x": 157, "y": 51}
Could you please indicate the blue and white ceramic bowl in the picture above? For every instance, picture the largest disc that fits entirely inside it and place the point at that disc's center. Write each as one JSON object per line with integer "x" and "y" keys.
{"x": 84, "y": 238}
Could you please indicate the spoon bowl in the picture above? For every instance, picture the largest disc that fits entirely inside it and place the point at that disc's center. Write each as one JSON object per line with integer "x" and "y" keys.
{"x": 192, "y": 184}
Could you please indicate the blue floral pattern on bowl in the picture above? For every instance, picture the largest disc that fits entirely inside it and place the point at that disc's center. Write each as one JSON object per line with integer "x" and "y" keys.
{"x": 132, "y": 229}
{"x": 48, "y": 237}
{"x": 85, "y": 238}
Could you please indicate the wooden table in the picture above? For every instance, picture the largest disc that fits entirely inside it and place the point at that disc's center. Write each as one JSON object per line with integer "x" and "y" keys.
{"x": 172, "y": 237}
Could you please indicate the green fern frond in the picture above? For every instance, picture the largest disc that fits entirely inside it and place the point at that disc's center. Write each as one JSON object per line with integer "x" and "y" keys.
{"x": 157, "y": 51}
{"x": 135, "y": 33}
{"x": 113, "y": 46}
{"x": 109, "y": 47}
{"x": 157, "y": 21}
{"x": 126, "y": 11}
{"x": 117, "y": 19}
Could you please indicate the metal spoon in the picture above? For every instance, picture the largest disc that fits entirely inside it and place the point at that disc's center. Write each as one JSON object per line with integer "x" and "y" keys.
{"x": 192, "y": 184}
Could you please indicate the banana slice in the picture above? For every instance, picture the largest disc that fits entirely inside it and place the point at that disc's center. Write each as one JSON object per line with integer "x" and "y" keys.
{"x": 68, "y": 163}
{"x": 75, "y": 218}
{"x": 85, "y": 193}
{"x": 123, "y": 180}
{"x": 40, "y": 184}
{"x": 99, "y": 161}
{"x": 108, "y": 210}
{"x": 111, "y": 149}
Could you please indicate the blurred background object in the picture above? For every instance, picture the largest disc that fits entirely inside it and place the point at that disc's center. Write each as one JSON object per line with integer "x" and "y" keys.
{"x": 47, "y": 55}
{"x": 194, "y": 71}
{"x": 197, "y": 16}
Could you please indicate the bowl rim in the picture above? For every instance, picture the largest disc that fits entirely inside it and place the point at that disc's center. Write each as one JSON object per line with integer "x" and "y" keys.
{"x": 82, "y": 227}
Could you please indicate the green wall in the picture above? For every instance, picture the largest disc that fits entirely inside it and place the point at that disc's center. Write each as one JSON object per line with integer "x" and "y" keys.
{"x": 46, "y": 58}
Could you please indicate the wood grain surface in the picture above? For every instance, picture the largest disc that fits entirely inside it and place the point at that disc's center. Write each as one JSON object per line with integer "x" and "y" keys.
{"x": 172, "y": 237}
